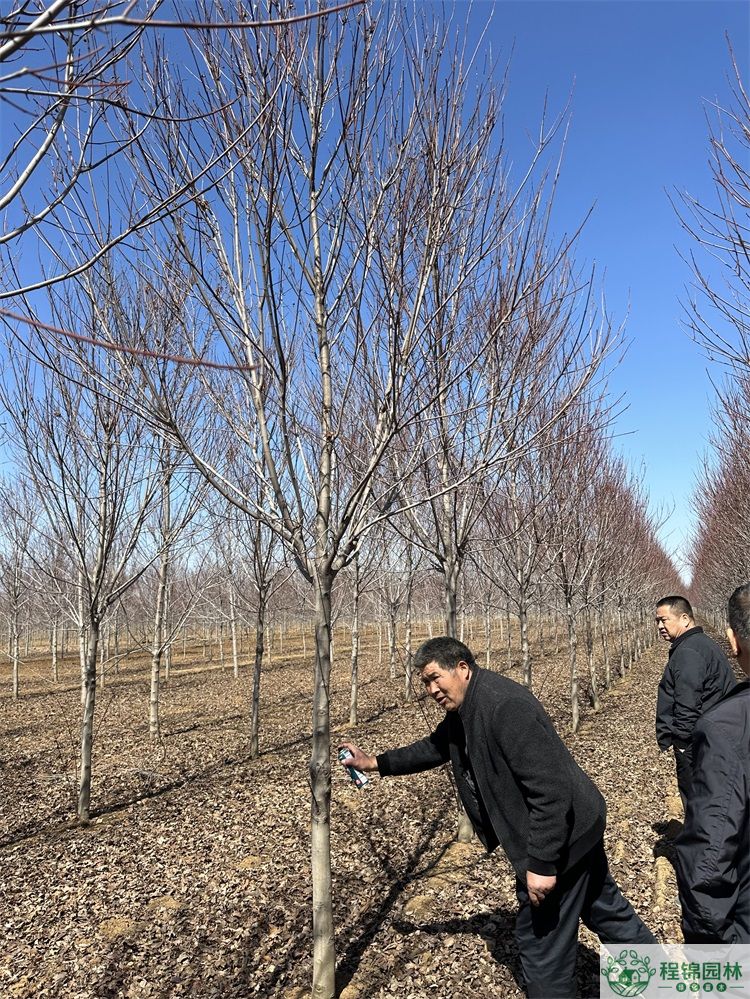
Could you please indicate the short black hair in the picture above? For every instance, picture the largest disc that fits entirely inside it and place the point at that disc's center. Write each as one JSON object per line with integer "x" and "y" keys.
{"x": 738, "y": 612}
{"x": 680, "y": 605}
{"x": 446, "y": 652}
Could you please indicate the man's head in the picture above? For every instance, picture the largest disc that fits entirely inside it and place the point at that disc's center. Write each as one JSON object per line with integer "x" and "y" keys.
{"x": 445, "y": 666}
{"x": 738, "y": 632}
{"x": 674, "y": 616}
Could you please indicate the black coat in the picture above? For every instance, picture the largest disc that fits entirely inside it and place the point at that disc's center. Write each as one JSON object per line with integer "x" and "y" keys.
{"x": 697, "y": 675}
{"x": 713, "y": 850}
{"x": 518, "y": 783}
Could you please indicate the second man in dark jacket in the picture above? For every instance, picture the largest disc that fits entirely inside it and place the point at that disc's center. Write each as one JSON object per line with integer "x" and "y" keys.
{"x": 697, "y": 675}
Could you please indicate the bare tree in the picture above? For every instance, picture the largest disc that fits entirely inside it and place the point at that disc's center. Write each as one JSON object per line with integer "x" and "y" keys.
{"x": 571, "y": 465}
{"x": 363, "y": 574}
{"x": 256, "y": 572}
{"x": 96, "y": 475}
{"x": 719, "y": 560}
{"x": 181, "y": 496}
{"x": 513, "y": 555}
{"x": 719, "y": 318}
{"x": 536, "y": 344}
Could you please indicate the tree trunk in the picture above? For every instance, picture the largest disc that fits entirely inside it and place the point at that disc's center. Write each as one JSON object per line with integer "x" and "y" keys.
{"x": 324, "y": 955}
{"x": 233, "y": 629}
{"x": 631, "y": 648}
{"x": 354, "y": 693}
{"x": 557, "y": 634}
{"x": 508, "y": 638}
{"x": 257, "y": 666}
{"x": 392, "y": 612}
{"x": 450, "y": 597}
{"x": 572, "y": 662}
{"x": 487, "y": 634}
{"x": 102, "y": 652}
{"x": 268, "y": 640}
{"x": 160, "y": 612}
{"x": 220, "y": 640}
{"x": 157, "y": 650}
{"x": 82, "y": 638}
{"x": 605, "y": 648}
{"x": 541, "y": 631}
{"x": 53, "y": 647}
{"x": 594, "y": 691}
{"x": 117, "y": 640}
{"x": 87, "y": 724}
{"x": 407, "y": 648}
{"x": 523, "y": 623}
{"x": 15, "y": 655}
{"x": 380, "y": 631}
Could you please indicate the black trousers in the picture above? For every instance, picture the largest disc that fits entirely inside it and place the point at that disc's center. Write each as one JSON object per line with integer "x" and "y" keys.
{"x": 683, "y": 761}
{"x": 547, "y": 934}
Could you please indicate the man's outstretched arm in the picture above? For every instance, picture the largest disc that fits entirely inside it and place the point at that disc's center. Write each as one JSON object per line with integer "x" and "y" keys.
{"x": 424, "y": 754}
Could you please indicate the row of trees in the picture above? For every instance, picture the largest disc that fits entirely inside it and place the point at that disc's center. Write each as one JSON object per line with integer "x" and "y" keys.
{"x": 106, "y": 533}
{"x": 720, "y": 319}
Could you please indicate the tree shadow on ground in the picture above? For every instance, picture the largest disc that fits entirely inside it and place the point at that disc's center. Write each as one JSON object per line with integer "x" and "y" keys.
{"x": 496, "y": 929}
{"x": 371, "y": 925}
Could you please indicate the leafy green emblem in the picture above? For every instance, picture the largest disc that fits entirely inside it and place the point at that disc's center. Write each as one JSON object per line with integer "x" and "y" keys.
{"x": 628, "y": 974}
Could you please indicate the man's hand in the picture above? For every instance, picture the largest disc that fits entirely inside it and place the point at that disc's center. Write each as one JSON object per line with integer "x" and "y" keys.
{"x": 539, "y": 886}
{"x": 359, "y": 760}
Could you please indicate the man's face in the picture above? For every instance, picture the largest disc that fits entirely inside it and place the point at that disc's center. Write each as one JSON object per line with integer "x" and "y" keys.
{"x": 447, "y": 687}
{"x": 671, "y": 625}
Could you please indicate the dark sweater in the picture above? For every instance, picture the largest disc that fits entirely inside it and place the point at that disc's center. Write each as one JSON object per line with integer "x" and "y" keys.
{"x": 518, "y": 783}
{"x": 696, "y": 676}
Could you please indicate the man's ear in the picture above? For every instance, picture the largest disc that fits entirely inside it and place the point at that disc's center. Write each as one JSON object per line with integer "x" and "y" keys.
{"x": 733, "y": 643}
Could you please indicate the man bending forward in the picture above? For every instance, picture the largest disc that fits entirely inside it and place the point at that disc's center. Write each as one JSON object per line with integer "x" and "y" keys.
{"x": 523, "y": 791}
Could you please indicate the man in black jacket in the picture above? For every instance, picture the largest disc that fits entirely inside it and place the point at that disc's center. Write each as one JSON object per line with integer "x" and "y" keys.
{"x": 696, "y": 676}
{"x": 523, "y": 791}
{"x": 713, "y": 849}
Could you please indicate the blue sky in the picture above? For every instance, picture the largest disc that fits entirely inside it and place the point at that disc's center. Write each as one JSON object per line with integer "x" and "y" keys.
{"x": 641, "y": 76}
{"x": 641, "y": 73}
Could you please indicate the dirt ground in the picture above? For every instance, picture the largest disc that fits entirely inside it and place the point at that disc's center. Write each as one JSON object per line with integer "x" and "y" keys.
{"x": 193, "y": 876}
